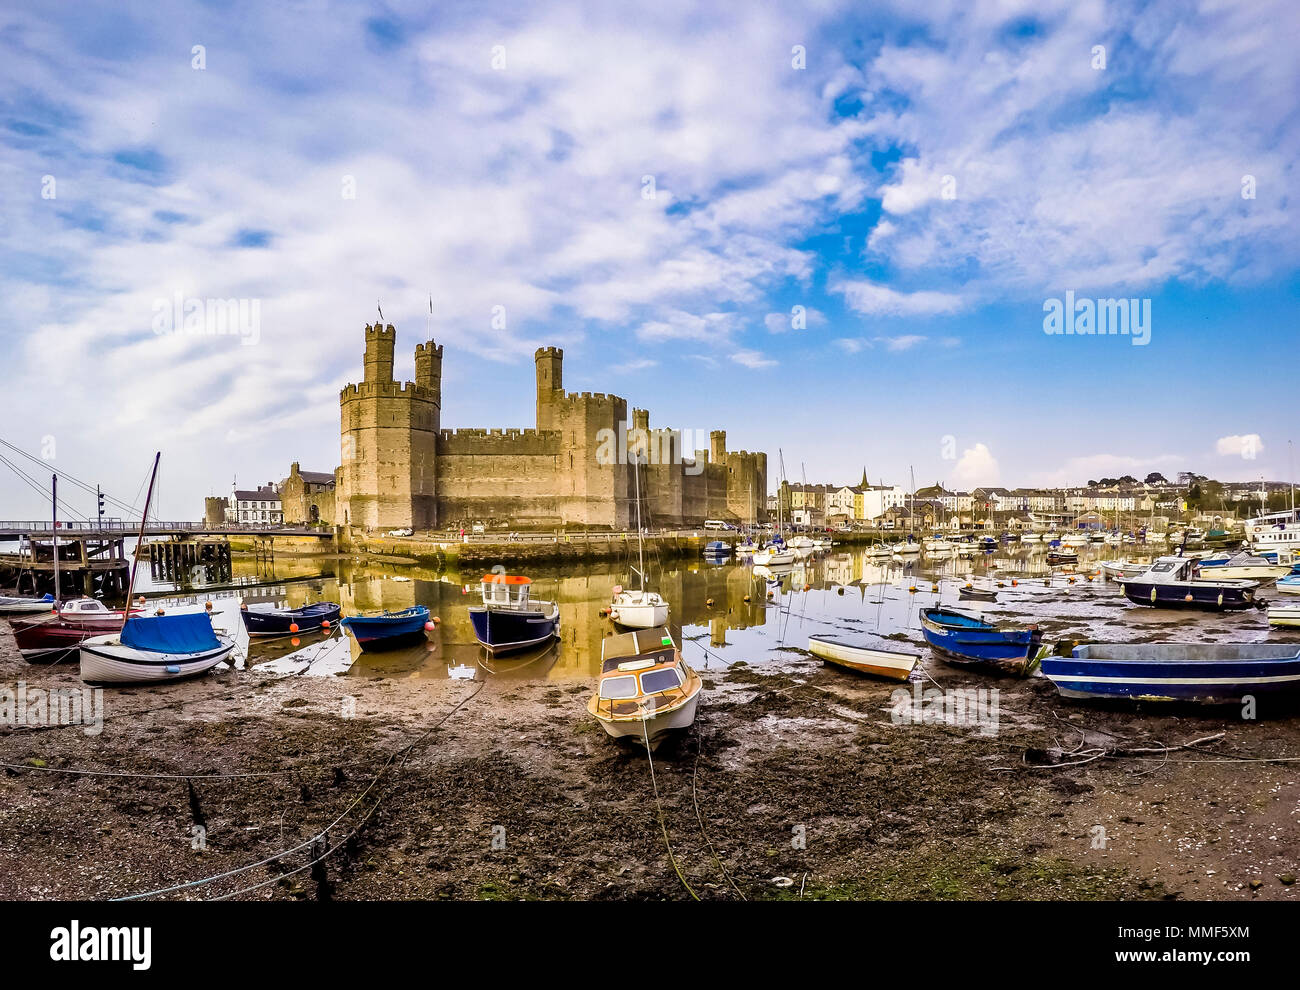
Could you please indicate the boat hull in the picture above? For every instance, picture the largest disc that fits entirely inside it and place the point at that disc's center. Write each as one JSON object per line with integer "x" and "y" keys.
{"x": 653, "y": 727}
{"x": 889, "y": 664}
{"x": 277, "y": 623}
{"x": 1284, "y": 615}
{"x": 1210, "y": 597}
{"x": 500, "y": 630}
{"x": 374, "y": 633}
{"x": 1201, "y": 673}
{"x": 982, "y": 645}
{"x": 104, "y": 660}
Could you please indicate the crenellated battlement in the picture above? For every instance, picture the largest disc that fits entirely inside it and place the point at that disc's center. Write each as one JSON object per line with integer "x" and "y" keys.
{"x": 360, "y": 390}
{"x": 428, "y": 348}
{"x": 549, "y": 352}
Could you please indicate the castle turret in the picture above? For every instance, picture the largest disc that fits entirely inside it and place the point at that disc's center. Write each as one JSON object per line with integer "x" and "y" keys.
{"x": 379, "y": 352}
{"x": 717, "y": 446}
{"x": 428, "y": 369}
{"x": 640, "y": 419}
{"x": 550, "y": 385}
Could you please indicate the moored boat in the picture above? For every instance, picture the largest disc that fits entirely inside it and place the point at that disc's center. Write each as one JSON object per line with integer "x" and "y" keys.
{"x": 1244, "y": 567}
{"x": 716, "y": 548}
{"x": 508, "y": 619}
{"x": 645, "y": 689}
{"x": 287, "y": 621}
{"x": 1284, "y": 615}
{"x": 972, "y": 593}
{"x": 1062, "y": 556}
{"x": 1208, "y": 673}
{"x": 891, "y": 664}
{"x": 54, "y": 638}
{"x": 968, "y": 639}
{"x": 1120, "y": 569}
{"x": 153, "y": 648}
{"x": 1171, "y": 583}
{"x": 18, "y": 605}
{"x": 1290, "y": 585}
{"x": 388, "y": 630}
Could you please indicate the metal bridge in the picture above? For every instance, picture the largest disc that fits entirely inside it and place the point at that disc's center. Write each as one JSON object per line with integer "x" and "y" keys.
{"x": 109, "y": 529}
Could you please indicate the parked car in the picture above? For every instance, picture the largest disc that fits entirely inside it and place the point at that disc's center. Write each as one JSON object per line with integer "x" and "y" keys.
{"x": 401, "y": 532}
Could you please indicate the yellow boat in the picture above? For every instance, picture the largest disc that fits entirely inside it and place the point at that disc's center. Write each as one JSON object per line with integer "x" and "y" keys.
{"x": 646, "y": 690}
{"x": 891, "y": 664}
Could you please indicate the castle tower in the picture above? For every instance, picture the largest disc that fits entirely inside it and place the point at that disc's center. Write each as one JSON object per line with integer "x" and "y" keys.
{"x": 379, "y": 353}
{"x": 550, "y": 385}
{"x": 428, "y": 369}
{"x": 389, "y": 434}
{"x": 717, "y": 446}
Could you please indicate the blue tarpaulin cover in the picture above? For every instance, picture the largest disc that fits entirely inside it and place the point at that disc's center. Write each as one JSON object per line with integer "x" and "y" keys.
{"x": 186, "y": 633}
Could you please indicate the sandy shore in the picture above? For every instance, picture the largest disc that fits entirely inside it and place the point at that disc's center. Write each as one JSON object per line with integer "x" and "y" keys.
{"x": 798, "y": 783}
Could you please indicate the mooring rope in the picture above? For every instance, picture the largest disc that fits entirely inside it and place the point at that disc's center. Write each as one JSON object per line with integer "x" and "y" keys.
{"x": 663, "y": 825}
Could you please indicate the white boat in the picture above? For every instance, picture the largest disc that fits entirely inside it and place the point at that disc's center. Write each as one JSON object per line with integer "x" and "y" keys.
{"x": 1118, "y": 570}
{"x": 906, "y": 549}
{"x": 1284, "y": 615}
{"x": 645, "y": 688}
{"x": 864, "y": 659}
{"x": 1246, "y": 567}
{"x": 1075, "y": 540}
{"x": 937, "y": 544}
{"x": 1275, "y": 531}
{"x": 878, "y": 550}
{"x": 638, "y": 609}
{"x": 11, "y": 605}
{"x": 152, "y": 648}
{"x": 1030, "y": 537}
{"x": 800, "y": 543}
{"x": 774, "y": 555}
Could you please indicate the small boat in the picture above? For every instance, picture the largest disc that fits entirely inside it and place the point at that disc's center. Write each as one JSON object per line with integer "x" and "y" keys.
{"x": 388, "y": 630}
{"x": 971, "y": 593}
{"x": 1062, "y": 556}
{"x": 286, "y": 621}
{"x": 747, "y": 547}
{"x": 907, "y": 549}
{"x": 1290, "y": 585}
{"x": 1208, "y": 673}
{"x": 878, "y": 550}
{"x": 1119, "y": 570}
{"x": 1284, "y": 615}
{"x": 892, "y": 664}
{"x": 968, "y": 639}
{"x": 988, "y": 543}
{"x": 937, "y": 544}
{"x": 11, "y": 605}
{"x": 800, "y": 543}
{"x": 645, "y": 689}
{"x": 51, "y": 639}
{"x": 716, "y": 548}
{"x": 638, "y": 609}
{"x": 1075, "y": 539}
{"x": 1031, "y": 537}
{"x": 1244, "y": 567}
{"x": 153, "y": 648}
{"x": 1171, "y": 583}
{"x": 508, "y": 619}
{"x": 774, "y": 555}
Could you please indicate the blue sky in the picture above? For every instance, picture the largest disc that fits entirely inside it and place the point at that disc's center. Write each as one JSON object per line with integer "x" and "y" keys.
{"x": 654, "y": 191}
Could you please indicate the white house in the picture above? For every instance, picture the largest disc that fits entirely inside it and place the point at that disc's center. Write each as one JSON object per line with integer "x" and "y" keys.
{"x": 257, "y": 505}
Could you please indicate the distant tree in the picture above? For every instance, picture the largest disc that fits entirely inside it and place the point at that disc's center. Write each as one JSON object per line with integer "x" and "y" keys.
{"x": 1092, "y": 484}
{"x": 1128, "y": 479}
{"x": 1156, "y": 478}
{"x": 1194, "y": 495}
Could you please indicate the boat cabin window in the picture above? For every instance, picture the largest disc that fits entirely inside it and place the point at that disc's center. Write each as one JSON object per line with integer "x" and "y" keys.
{"x": 619, "y": 687}
{"x": 656, "y": 681}
{"x": 1163, "y": 567}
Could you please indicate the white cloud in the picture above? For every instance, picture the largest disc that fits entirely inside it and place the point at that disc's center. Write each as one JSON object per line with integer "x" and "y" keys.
{"x": 874, "y": 299}
{"x": 1247, "y": 446}
{"x": 976, "y": 467}
{"x": 752, "y": 359}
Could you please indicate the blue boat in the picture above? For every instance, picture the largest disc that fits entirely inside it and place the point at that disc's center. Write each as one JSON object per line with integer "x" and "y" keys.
{"x": 1205, "y": 673}
{"x": 716, "y": 548}
{"x": 1290, "y": 584}
{"x": 968, "y": 639}
{"x": 289, "y": 621}
{"x": 508, "y": 620}
{"x": 388, "y": 630}
{"x": 1171, "y": 583}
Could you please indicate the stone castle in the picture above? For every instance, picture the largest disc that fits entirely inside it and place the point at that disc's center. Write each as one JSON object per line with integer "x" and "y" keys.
{"x": 401, "y": 469}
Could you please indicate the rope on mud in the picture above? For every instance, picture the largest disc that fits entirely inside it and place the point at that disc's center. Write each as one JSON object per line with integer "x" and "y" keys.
{"x": 695, "y": 774}
{"x": 405, "y": 753}
{"x": 663, "y": 825}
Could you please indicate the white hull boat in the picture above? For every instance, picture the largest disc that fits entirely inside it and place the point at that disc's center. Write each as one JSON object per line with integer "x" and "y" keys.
{"x": 104, "y": 660}
{"x": 1031, "y": 537}
{"x": 907, "y": 549}
{"x": 639, "y": 609}
{"x": 1284, "y": 615}
{"x": 1246, "y": 571}
{"x": 774, "y": 558}
{"x": 25, "y": 606}
{"x": 645, "y": 690}
{"x": 891, "y": 664}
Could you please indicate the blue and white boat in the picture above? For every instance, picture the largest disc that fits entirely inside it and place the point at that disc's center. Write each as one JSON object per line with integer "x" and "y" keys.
{"x": 1290, "y": 583}
{"x": 152, "y": 648}
{"x": 968, "y": 639}
{"x": 508, "y": 619}
{"x": 388, "y": 630}
{"x": 1171, "y": 582}
{"x": 1206, "y": 673}
{"x": 716, "y": 548}
{"x": 287, "y": 621}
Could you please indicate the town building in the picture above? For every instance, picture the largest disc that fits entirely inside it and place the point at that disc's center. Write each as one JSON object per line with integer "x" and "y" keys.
{"x": 255, "y": 505}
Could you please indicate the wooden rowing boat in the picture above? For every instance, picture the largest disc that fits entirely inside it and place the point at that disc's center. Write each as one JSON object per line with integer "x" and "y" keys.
{"x": 892, "y": 664}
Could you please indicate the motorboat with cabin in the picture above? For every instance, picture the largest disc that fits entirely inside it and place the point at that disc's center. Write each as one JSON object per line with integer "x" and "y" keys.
{"x": 508, "y": 619}
{"x": 645, "y": 689}
{"x": 1171, "y": 582}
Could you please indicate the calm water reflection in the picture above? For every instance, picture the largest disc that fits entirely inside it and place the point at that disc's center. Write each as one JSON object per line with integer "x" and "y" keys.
{"x": 726, "y": 612}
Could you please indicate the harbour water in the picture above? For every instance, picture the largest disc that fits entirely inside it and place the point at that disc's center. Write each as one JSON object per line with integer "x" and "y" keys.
{"x": 727, "y": 612}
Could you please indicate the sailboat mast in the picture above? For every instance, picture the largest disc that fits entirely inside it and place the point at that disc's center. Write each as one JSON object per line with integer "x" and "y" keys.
{"x": 54, "y": 519}
{"x": 640, "y": 547}
{"x": 144, "y": 520}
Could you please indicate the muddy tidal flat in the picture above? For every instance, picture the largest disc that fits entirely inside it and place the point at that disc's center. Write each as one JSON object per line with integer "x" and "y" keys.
{"x": 798, "y": 781}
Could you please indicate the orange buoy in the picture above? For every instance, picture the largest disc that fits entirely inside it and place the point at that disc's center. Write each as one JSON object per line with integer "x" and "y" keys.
{"x": 293, "y": 627}
{"x": 806, "y": 587}
{"x": 436, "y": 620}
{"x": 1013, "y": 582}
{"x": 324, "y": 623}
{"x": 160, "y": 612}
{"x": 708, "y": 602}
{"x": 969, "y": 585}
{"x": 912, "y": 589}
{"x": 1188, "y": 597}
{"x": 207, "y": 606}
{"x": 295, "y": 641}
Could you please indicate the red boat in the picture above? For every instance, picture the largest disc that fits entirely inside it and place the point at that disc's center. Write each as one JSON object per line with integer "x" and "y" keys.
{"x": 56, "y": 638}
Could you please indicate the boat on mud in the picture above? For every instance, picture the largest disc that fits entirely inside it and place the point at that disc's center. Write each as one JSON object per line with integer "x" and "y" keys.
{"x": 891, "y": 664}
{"x": 1171, "y": 582}
{"x": 154, "y": 648}
{"x": 1205, "y": 673}
{"x": 967, "y": 639}
{"x": 645, "y": 689}
{"x": 287, "y": 621}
